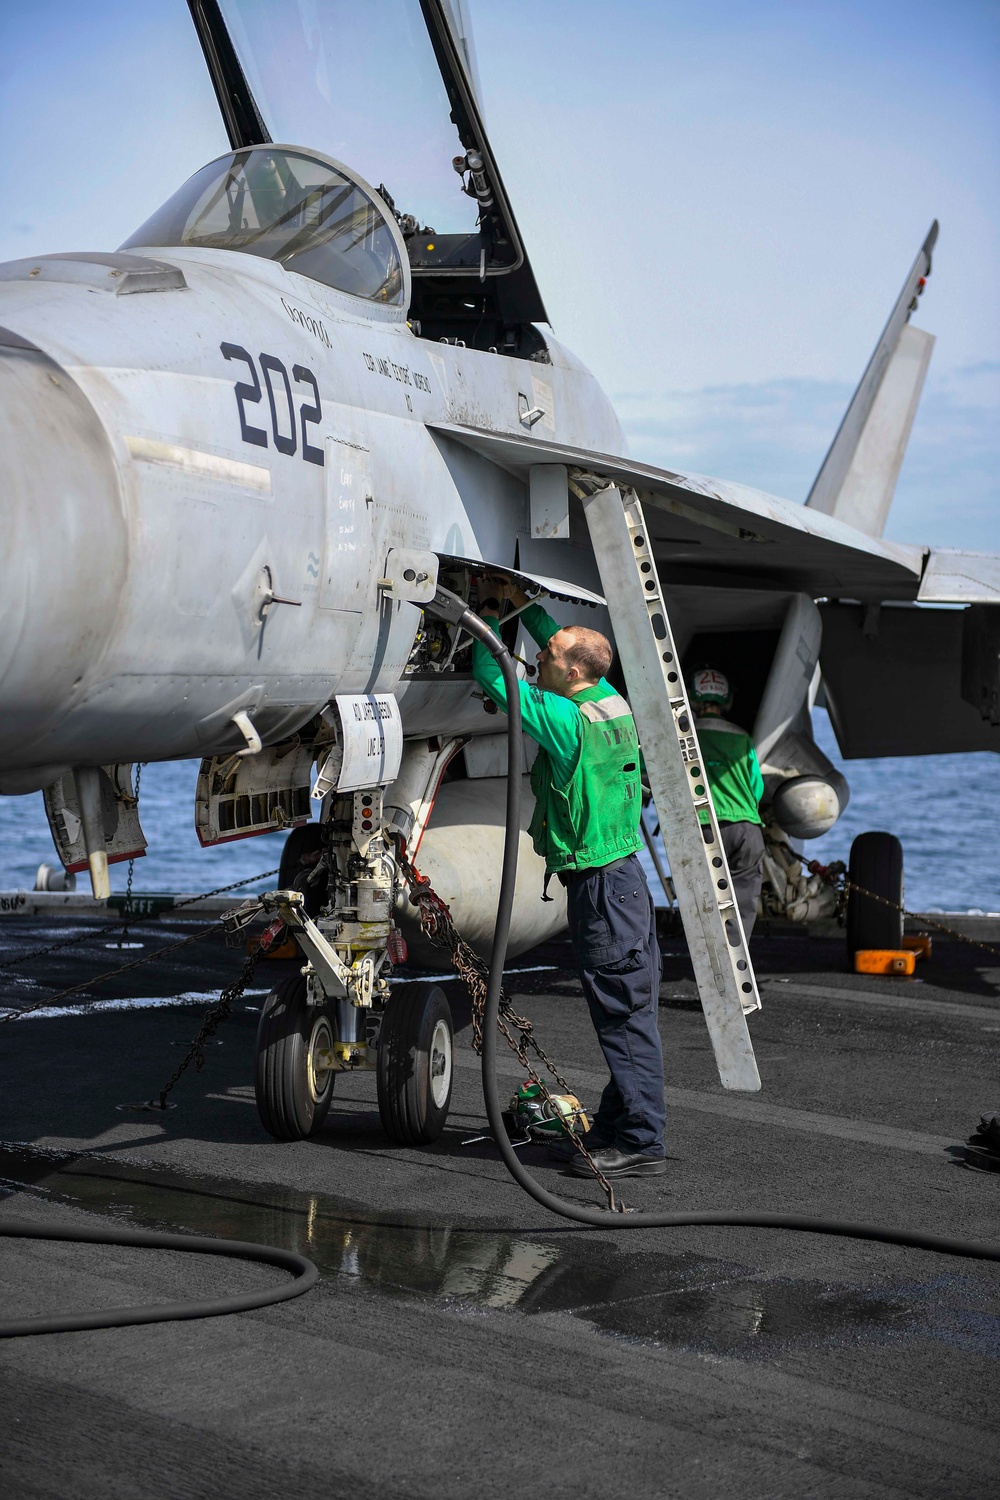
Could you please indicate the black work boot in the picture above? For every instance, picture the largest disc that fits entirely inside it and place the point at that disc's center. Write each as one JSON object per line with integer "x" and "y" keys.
{"x": 611, "y": 1162}
{"x": 567, "y": 1149}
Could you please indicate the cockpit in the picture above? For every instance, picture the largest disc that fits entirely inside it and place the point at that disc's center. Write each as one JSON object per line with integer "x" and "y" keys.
{"x": 288, "y": 206}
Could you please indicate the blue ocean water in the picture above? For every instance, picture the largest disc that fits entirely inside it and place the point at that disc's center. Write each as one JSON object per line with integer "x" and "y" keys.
{"x": 944, "y": 808}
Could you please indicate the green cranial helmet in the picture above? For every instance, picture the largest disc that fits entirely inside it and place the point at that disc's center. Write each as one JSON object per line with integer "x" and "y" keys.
{"x": 710, "y": 686}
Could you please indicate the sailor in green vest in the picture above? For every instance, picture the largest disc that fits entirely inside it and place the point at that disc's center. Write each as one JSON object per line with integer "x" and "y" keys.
{"x": 736, "y": 785}
{"x": 585, "y": 825}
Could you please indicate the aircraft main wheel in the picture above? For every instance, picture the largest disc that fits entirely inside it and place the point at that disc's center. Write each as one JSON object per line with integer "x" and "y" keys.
{"x": 877, "y": 865}
{"x": 297, "y": 859}
{"x": 295, "y": 1073}
{"x": 416, "y": 1065}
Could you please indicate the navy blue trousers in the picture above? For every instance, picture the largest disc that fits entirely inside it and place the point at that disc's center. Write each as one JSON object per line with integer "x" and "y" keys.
{"x": 613, "y": 932}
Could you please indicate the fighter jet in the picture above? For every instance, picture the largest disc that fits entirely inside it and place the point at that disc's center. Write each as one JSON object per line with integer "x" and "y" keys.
{"x": 244, "y": 454}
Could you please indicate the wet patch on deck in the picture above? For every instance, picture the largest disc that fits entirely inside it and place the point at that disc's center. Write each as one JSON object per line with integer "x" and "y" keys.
{"x": 679, "y": 1300}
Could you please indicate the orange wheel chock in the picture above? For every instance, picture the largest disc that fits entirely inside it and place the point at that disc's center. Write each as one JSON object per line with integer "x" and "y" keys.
{"x": 885, "y": 961}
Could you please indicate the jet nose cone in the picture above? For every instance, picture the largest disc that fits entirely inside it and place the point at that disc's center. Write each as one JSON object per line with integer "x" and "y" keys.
{"x": 64, "y": 546}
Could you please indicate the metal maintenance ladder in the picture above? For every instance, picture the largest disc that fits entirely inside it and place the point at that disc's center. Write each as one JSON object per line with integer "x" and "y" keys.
{"x": 698, "y": 866}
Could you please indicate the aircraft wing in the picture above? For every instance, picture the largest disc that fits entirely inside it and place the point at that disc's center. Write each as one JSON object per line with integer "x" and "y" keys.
{"x": 883, "y": 668}
{"x": 705, "y": 529}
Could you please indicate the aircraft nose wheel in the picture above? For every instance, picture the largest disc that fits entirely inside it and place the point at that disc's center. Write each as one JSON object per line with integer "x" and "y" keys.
{"x": 416, "y": 1065}
{"x": 295, "y": 1073}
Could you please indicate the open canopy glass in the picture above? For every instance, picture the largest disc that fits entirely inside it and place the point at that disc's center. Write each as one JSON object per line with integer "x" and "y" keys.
{"x": 360, "y": 82}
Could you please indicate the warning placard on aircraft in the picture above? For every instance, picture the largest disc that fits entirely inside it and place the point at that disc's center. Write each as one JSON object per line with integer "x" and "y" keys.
{"x": 370, "y": 744}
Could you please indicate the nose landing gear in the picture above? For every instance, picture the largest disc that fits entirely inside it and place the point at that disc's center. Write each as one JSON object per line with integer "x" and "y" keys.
{"x": 339, "y": 1014}
{"x": 298, "y": 1062}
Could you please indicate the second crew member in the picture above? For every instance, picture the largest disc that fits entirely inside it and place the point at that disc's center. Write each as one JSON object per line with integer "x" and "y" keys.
{"x": 736, "y": 785}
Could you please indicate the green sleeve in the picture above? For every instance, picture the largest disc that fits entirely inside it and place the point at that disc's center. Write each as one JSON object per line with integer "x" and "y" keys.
{"x": 539, "y": 624}
{"x": 552, "y": 721}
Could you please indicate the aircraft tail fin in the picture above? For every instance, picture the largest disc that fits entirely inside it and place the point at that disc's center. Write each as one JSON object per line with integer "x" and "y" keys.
{"x": 858, "y": 476}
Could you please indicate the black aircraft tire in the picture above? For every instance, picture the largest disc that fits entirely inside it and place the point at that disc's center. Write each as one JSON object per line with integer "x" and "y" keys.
{"x": 302, "y": 843}
{"x": 293, "y": 1089}
{"x": 416, "y": 1049}
{"x": 877, "y": 865}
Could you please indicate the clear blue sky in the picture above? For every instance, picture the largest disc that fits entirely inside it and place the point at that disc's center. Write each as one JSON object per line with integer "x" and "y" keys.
{"x": 720, "y": 201}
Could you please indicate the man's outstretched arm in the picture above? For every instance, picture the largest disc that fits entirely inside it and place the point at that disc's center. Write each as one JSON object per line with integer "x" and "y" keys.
{"x": 553, "y": 722}
{"x": 539, "y": 624}
{"x": 537, "y": 621}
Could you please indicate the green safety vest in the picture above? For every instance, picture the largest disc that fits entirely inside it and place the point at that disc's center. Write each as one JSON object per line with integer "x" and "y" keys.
{"x": 734, "y": 776}
{"x": 593, "y": 818}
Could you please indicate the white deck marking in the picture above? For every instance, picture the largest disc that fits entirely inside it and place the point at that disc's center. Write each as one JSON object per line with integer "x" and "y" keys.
{"x": 917, "y": 1003}
{"x": 754, "y": 1110}
{"x": 123, "y": 1002}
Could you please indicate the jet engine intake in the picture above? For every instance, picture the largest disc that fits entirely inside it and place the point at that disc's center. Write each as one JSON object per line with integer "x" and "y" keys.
{"x": 65, "y": 553}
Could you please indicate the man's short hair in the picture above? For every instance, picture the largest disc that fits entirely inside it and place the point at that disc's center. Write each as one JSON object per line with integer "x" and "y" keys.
{"x": 589, "y": 651}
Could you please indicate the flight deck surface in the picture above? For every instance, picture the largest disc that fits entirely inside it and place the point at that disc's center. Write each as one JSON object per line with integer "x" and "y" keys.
{"x": 462, "y": 1341}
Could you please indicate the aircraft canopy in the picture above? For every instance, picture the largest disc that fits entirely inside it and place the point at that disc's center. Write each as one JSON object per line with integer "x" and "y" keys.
{"x": 362, "y": 83}
{"x": 389, "y": 86}
{"x": 285, "y": 205}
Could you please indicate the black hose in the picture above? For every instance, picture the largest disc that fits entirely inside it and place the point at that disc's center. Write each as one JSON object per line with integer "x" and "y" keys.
{"x": 603, "y": 1218}
{"x": 305, "y": 1276}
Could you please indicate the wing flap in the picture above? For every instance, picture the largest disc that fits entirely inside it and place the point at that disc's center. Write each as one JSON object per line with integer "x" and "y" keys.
{"x": 954, "y": 577}
{"x": 896, "y": 682}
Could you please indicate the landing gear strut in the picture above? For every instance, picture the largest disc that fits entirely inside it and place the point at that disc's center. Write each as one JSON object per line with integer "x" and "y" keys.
{"x": 339, "y": 884}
